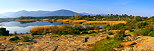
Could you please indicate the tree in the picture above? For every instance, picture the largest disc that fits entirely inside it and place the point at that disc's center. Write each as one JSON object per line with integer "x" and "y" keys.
{"x": 141, "y": 24}
{"x": 77, "y": 16}
{"x": 120, "y": 35}
{"x": 138, "y": 18}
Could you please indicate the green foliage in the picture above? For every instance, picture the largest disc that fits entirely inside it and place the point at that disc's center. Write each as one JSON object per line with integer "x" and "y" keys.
{"x": 117, "y": 26}
{"x": 120, "y": 35}
{"x": 141, "y": 24}
{"x": 4, "y": 32}
{"x": 26, "y": 39}
{"x": 145, "y": 32}
{"x": 36, "y": 33}
{"x": 138, "y": 18}
{"x": 15, "y": 39}
{"x": 15, "y": 32}
{"x": 21, "y": 39}
{"x": 151, "y": 34}
{"x": 47, "y": 17}
{"x": 74, "y": 30}
{"x": 62, "y": 32}
{"x": 106, "y": 45}
{"x": 110, "y": 33}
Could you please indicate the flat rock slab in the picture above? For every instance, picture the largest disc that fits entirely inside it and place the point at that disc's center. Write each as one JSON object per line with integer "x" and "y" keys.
{"x": 55, "y": 43}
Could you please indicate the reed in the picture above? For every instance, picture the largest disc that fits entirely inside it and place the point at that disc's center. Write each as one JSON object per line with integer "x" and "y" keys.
{"x": 26, "y": 20}
{"x": 78, "y": 21}
{"x": 49, "y": 28}
{"x": 104, "y": 22}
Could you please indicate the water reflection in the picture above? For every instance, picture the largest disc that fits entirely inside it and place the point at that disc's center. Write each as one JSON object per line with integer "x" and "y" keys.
{"x": 24, "y": 27}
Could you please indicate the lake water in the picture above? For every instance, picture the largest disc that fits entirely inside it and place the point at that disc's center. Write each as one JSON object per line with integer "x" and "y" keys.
{"x": 24, "y": 27}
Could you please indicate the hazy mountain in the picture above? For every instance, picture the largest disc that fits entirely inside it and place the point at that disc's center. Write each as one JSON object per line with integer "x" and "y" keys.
{"x": 41, "y": 13}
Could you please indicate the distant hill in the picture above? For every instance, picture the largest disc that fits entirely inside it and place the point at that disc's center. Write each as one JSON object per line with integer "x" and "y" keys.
{"x": 62, "y": 12}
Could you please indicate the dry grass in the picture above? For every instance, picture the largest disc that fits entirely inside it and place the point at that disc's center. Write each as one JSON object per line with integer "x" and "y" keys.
{"x": 105, "y": 22}
{"x": 4, "y": 41}
{"x": 65, "y": 21}
{"x": 78, "y": 21}
{"x": 49, "y": 28}
{"x": 44, "y": 19}
{"x": 71, "y": 21}
{"x": 127, "y": 44}
{"x": 26, "y": 20}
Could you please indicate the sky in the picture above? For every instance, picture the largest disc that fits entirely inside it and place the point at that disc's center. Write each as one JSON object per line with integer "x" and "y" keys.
{"x": 130, "y": 7}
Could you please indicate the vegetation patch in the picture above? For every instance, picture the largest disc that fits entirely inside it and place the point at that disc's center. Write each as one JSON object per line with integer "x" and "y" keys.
{"x": 17, "y": 39}
{"x": 62, "y": 30}
{"x": 106, "y": 45}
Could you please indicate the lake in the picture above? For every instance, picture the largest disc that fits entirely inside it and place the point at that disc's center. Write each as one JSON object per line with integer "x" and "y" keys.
{"x": 24, "y": 27}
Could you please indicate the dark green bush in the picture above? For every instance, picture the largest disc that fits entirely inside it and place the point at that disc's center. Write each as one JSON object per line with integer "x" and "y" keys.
{"x": 110, "y": 33}
{"x": 21, "y": 39}
{"x": 26, "y": 39}
{"x": 120, "y": 35}
{"x": 151, "y": 34}
{"x": 145, "y": 32}
{"x": 141, "y": 24}
{"x": 62, "y": 32}
{"x": 15, "y": 38}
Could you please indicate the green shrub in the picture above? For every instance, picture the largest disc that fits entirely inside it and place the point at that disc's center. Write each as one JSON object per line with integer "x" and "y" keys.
{"x": 141, "y": 24}
{"x": 26, "y": 39}
{"x": 15, "y": 38}
{"x": 22, "y": 39}
{"x": 62, "y": 32}
{"x": 120, "y": 35}
{"x": 106, "y": 45}
{"x": 145, "y": 32}
{"x": 110, "y": 33}
{"x": 151, "y": 34}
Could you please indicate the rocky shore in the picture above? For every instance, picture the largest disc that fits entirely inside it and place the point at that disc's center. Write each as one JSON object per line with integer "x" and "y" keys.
{"x": 52, "y": 43}
{"x": 141, "y": 43}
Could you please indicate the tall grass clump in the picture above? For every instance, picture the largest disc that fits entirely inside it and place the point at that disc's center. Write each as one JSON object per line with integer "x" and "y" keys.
{"x": 109, "y": 43}
{"x": 48, "y": 29}
{"x": 60, "y": 29}
{"x": 106, "y": 45}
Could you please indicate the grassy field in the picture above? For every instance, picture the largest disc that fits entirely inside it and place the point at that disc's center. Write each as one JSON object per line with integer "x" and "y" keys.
{"x": 104, "y": 22}
{"x": 49, "y": 28}
{"x": 105, "y": 45}
{"x": 85, "y": 22}
{"x": 26, "y": 20}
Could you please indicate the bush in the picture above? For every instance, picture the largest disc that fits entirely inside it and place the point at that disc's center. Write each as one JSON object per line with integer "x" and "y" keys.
{"x": 49, "y": 29}
{"x": 117, "y": 26}
{"x": 145, "y": 32}
{"x": 141, "y": 24}
{"x": 151, "y": 34}
{"x": 106, "y": 45}
{"x": 26, "y": 39}
{"x": 110, "y": 33}
{"x": 22, "y": 39}
{"x": 120, "y": 35}
{"x": 15, "y": 38}
{"x": 59, "y": 29}
{"x": 62, "y": 32}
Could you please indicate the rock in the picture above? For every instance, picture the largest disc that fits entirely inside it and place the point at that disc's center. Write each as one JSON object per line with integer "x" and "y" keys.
{"x": 85, "y": 39}
{"x": 10, "y": 37}
{"x": 54, "y": 43}
{"x": 55, "y": 48}
{"x": 144, "y": 43}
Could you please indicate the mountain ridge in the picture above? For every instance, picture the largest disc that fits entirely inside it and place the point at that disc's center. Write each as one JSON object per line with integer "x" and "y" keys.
{"x": 39, "y": 13}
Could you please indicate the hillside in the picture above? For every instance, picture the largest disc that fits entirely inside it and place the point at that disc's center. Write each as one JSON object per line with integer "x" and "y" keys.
{"x": 38, "y": 13}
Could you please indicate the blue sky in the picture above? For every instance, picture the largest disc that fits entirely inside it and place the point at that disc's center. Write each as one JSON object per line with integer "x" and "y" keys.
{"x": 131, "y": 7}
